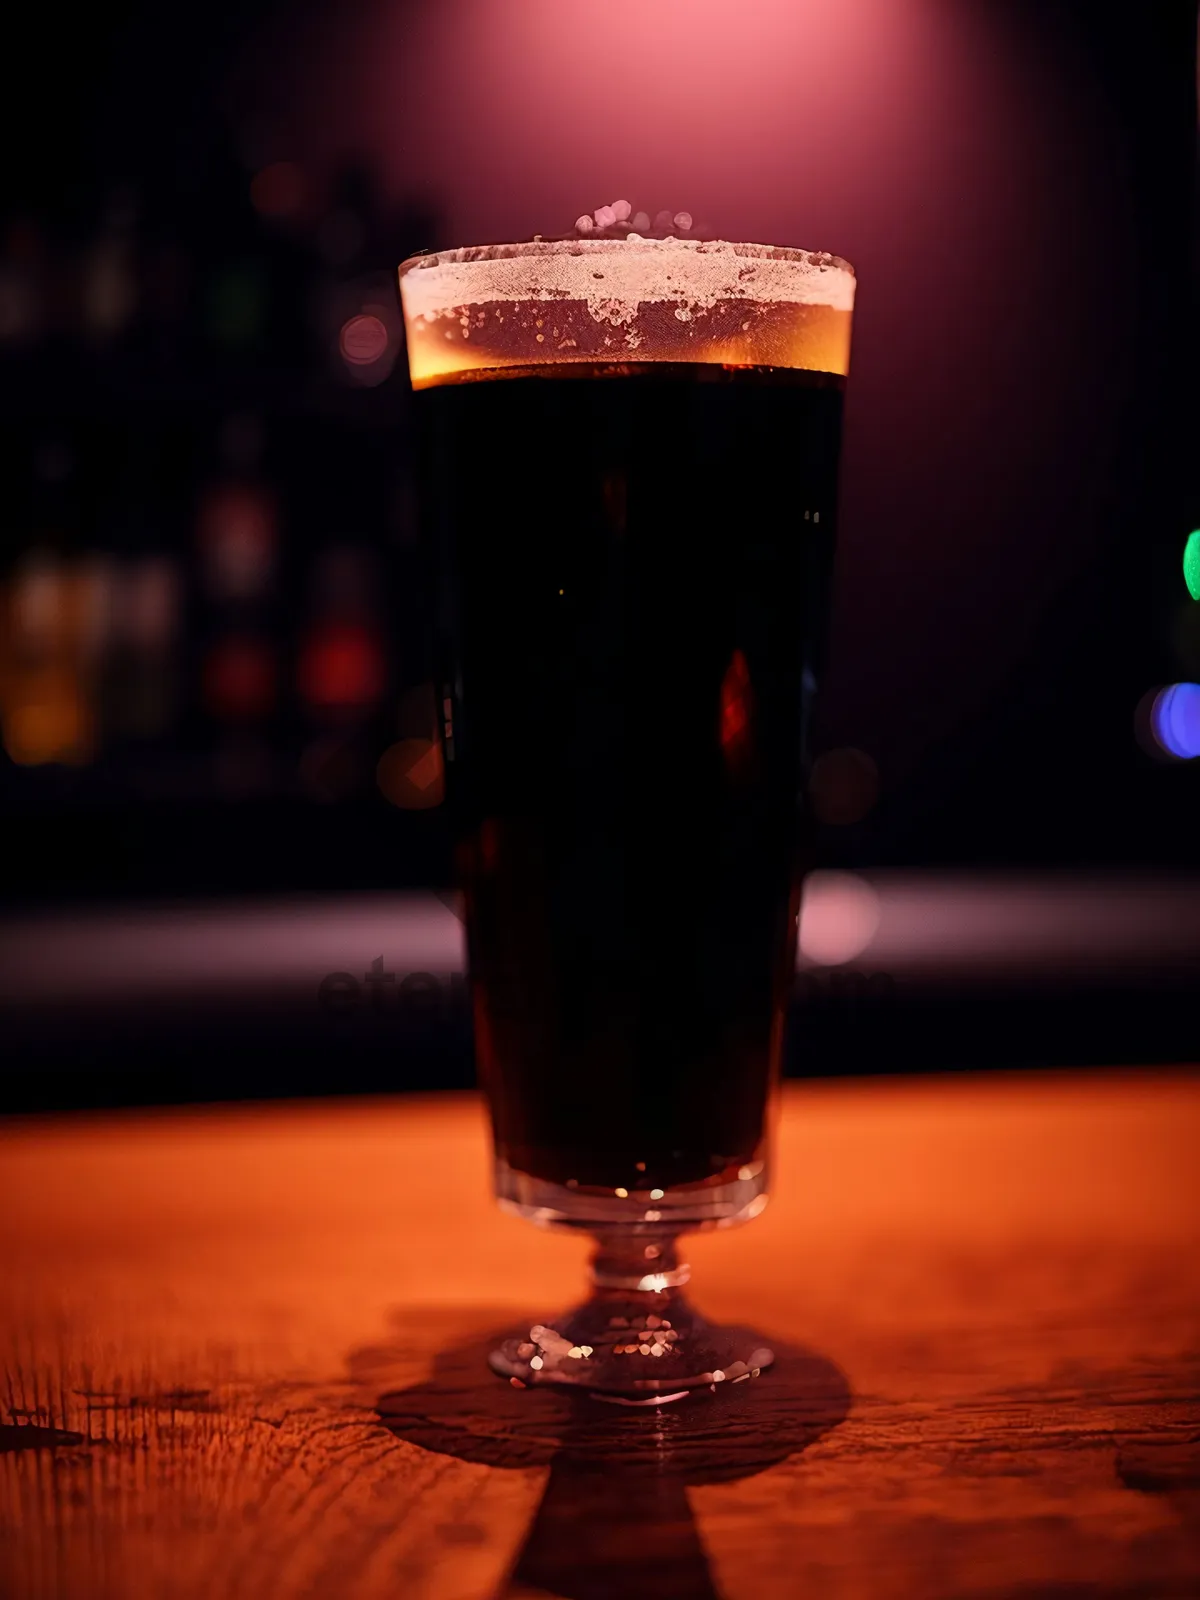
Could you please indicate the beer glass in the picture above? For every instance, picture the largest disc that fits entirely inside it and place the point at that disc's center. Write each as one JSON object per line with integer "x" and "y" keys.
{"x": 628, "y": 460}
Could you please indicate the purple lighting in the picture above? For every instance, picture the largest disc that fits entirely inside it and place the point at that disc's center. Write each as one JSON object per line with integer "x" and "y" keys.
{"x": 1175, "y": 720}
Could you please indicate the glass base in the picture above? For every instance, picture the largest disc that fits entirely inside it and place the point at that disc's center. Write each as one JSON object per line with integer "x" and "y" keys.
{"x": 637, "y": 1340}
{"x": 736, "y": 1197}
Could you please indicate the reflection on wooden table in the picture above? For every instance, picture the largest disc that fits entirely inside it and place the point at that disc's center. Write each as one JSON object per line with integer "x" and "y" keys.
{"x": 243, "y": 1355}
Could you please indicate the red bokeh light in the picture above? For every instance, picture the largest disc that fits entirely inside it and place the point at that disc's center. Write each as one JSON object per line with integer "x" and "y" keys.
{"x": 240, "y": 679}
{"x": 737, "y": 704}
{"x": 341, "y": 667}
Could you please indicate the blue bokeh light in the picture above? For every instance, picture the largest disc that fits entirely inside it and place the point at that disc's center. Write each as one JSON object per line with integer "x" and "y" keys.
{"x": 1175, "y": 720}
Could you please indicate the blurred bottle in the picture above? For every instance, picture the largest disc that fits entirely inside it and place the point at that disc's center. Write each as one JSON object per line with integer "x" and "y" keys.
{"x": 21, "y": 271}
{"x": 109, "y": 285}
{"x": 342, "y": 674}
{"x": 167, "y": 294}
{"x": 236, "y": 306}
{"x": 95, "y": 582}
{"x": 140, "y": 701}
{"x": 341, "y": 669}
{"x": 237, "y": 548}
{"x": 254, "y": 264}
{"x": 353, "y": 308}
{"x": 94, "y": 573}
{"x": 45, "y": 711}
{"x": 237, "y": 524}
{"x": 345, "y": 233}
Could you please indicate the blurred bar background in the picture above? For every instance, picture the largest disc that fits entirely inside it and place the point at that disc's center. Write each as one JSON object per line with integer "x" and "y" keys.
{"x": 215, "y": 695}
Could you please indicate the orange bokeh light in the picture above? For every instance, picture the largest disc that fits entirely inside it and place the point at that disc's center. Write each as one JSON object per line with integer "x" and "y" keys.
{"x": 411, "y": 775}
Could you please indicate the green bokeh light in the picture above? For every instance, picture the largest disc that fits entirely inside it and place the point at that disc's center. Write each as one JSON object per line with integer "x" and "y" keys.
{"x": 1191, "y": 564}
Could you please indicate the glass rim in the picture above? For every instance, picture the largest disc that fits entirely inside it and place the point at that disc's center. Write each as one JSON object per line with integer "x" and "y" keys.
{"x": 578, "y": 245}
{"x": 615, "y": 296}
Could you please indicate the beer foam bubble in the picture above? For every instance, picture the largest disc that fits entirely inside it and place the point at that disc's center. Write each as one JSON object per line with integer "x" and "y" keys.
{"x": 614, "y": 278}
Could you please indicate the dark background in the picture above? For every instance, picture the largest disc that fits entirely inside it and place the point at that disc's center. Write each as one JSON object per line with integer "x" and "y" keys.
{"x": 213, "y": 591}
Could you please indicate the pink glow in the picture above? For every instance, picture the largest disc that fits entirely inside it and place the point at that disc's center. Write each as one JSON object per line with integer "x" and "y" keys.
{"x": 668, "y": 102}
{"x": 363, "y": 339}
{"x": 951, "y": 152}
{"x": 518, "y": 117}
{"x": 839, "y": 916}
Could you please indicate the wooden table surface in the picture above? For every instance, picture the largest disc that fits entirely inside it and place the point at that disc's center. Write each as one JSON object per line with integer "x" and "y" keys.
{"x": 243, "y": 1356}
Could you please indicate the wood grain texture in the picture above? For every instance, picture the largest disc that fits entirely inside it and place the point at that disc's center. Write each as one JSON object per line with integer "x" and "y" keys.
{"x": 242, "y": 1355}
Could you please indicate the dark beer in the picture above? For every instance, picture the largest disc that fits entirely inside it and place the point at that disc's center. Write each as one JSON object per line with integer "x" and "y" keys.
{"x": 636, "y": 544}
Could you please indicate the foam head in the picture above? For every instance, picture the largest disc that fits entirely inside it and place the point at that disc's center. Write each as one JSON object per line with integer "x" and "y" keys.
{"x": 493, "y": 310}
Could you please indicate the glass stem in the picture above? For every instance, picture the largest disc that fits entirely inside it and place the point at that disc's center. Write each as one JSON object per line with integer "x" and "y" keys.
{"x": 645, "y": 1264}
